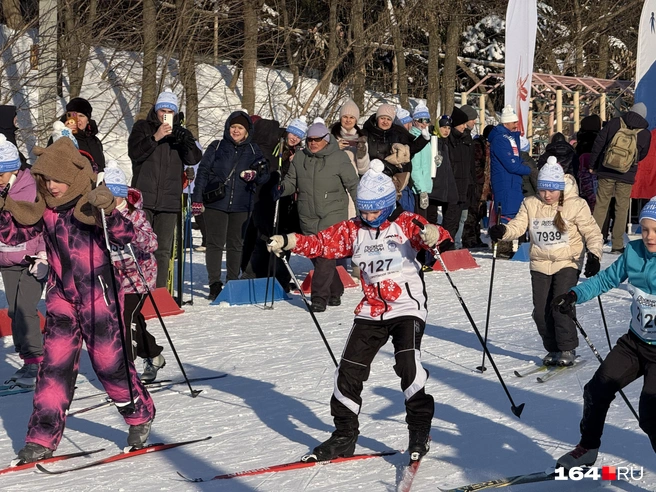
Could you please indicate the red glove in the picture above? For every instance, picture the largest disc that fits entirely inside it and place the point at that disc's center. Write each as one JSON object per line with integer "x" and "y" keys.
{"x": 248, "y": 175}
{"x": 197, "y": 208}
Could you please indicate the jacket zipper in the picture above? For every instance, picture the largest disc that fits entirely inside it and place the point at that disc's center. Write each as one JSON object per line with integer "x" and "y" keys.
{"x": 232, "y": 187}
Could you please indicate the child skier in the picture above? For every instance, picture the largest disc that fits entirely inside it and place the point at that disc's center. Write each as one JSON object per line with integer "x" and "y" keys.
{"x": 129, "y": 203}
{"x": 23, "y": 282}
{"x": 80, "y": 304}
{"x": 384, "y": 243}
{"x": 559, "y": 223}
{"x": 634, "y": 353}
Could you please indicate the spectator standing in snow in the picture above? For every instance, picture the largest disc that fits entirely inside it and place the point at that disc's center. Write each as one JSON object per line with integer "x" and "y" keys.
{"x": 394, "y": 304}
{"x": 420, "y": 177}
{"x": 350, "y": 137}
{"x": 590, "y": 128}
{"x": 634, "y": 353}
{"x": 160, "y": 155}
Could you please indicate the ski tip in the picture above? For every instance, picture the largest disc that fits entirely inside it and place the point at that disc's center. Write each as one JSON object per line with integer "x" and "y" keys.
{"x": 517, "y": 410}
{"x": 42, "y": 469}
{"x": 192, "y": 480}
{"x": 309, "y": 458}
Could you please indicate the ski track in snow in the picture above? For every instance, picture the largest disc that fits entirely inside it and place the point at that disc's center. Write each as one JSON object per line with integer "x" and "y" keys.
{"x": 274, "y": 405}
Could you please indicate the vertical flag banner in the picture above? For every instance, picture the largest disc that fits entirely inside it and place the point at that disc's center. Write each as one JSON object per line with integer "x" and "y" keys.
{"x": 646, "y": 63}
{"x": 521, "y": 26}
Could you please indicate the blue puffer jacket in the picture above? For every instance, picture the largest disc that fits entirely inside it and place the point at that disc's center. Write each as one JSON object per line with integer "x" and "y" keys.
{"x": 506, "y": 170}
{"x": 638, "y": 266}
{"x": 217, "y": 163}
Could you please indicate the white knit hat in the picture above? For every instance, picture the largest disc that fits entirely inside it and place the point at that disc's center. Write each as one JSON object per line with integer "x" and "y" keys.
{"x": 403, "y": 115}
{"x": 167, "y": 100}
{"x": 508, "y": 115}
{"x": 376, "y": 190}
{"x": 349, "y": 108}
{"x": 649, "y": 210}
{"x": 60, "y": 130}
{"x": 9, "y": 157}
{"x": 421, "y": 111}
{"x": 115, "y": 179}
{"x": 298, "y": 127}
{"x": 551, "y": 176}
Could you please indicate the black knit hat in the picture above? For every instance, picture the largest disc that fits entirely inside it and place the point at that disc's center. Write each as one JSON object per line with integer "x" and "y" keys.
{"x": 458, "y": 117}
{"x": 591, "y": 123}
{"x": 79, "y": 105}
{"x": 242, "y": 120}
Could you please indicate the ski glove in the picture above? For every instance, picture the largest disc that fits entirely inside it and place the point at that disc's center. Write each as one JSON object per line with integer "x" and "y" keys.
{"x": 430, "y": 234}
{"x": 197, "y": 209}
{"x": 278, "y": 244}
{"x": 565, "y": 303}
{"x": 423, "y": 200}
{"x": 592, "y": 266}
{"x": 248, "y": 175}
{"x": 496, "y": 232}
{"x": 39, "y": 267}
{"x": 190, "y": 173}
{"x": 100, "y": 197}
{"x": 183, "y": 136}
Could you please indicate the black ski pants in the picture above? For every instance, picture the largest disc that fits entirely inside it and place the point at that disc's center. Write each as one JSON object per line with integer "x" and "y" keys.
{"x": 140, "y": 341}
{"x": 325, "y": 281}
{"x": 630, "y": 359}
{"x": 364, "y": 342}
{"x": 557, "y": 330}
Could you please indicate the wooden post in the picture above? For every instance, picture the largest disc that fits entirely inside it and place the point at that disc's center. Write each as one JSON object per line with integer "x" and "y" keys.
{"x": 577, "y": 112}
{"x": 481, "y": 114}
{"x": 602, "y": 106}
{"x": 529, "y": 131}
{"x": 559, "y": 110}
{"x": 550, "y": 124}
{"x": 463, "y": 98}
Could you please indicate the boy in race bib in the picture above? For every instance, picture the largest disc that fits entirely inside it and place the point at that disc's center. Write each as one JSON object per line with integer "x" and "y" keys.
{"x": 383, "y": 241}
{"x": 634, "y": 353}
{"x": 560, "y": 226}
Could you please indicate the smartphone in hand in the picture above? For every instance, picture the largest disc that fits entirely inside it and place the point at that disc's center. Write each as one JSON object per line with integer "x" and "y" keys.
{"x": 168, "y": 119}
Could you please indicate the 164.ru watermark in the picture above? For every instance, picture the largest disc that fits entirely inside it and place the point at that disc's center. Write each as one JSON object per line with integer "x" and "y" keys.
{"x": 626, "y": 473}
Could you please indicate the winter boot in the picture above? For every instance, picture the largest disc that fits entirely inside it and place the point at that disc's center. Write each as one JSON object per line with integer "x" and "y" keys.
{"x": 334, "y": 301}
{"x": 215, "y": 290}
{"x": 318, "y": 305}
{"x": 17, "y": 375}
{"x": 566, "y": 358}
{"x": 418, "y": 445}
{"x": 151, "y": 366}
{"x": 28, "y": 378}
{"x": 579, "y": 456}
{"x": 341, "y": 443}
{"x": 33, "y": 452}
{"x": 550, "y": 359}
{"x": 138, "y": 435}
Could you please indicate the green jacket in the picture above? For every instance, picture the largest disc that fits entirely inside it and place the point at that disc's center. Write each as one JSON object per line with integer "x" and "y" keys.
{"x": 322, "y": 180}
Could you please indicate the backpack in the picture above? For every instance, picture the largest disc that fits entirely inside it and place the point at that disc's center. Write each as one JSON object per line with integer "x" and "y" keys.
{"x": 622, "y": 152}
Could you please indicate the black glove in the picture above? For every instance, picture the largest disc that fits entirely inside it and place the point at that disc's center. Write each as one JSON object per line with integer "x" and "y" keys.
{"x": 446, "y": 245}
{"x": 276, "y": 192}
{"x": 496, "y": 232}
{"x": 190, "y": 173}
{"x": 591, "y": 266}
{"x": 565, "y": 303}
{"x": 183, "y": 136}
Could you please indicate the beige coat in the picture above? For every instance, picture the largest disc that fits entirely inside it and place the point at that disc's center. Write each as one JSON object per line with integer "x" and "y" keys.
{"x": 581, "y": 228}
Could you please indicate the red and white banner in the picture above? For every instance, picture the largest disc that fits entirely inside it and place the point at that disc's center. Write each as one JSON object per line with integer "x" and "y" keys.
{"x": 521, "y": 27}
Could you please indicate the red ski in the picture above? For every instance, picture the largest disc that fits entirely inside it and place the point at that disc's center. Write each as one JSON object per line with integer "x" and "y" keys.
{"x": 295, "y": 465}
{"x": 408, "y": 476}
{"x": 151, "y": 448}
{"x": 54, "y": 459}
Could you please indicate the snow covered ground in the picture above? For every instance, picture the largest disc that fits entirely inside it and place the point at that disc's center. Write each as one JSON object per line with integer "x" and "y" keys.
{"x": 274, "y": 405}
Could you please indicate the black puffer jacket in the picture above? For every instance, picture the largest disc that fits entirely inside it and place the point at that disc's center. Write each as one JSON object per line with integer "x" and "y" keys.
{"x": 8, "y": 129}
{"x": 88, "y": 142}
{"x": 461, "y": 155}
{"x": 564, "y": 153}
{"x": 605, "y": 137}
{"x": 445, "y": 189}
{"x": 157, "y": 167}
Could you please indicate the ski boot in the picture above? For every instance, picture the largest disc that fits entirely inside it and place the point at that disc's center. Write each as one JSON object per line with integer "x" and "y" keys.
{"x": 579, "y": 456}
{"x": 550, "y": 359}
{"x": 341, "y": 443}
{"x": 32, "y": 452}
{"x": 28, "y": 378}
{"x": 138, "y": 435}
{"x": 151, "y": 366}
{"x": 418, "y": 445}
{"x": 566, "y": 358}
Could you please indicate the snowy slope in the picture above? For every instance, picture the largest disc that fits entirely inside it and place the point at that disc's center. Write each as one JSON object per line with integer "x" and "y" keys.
{"x": 274, "y": 405}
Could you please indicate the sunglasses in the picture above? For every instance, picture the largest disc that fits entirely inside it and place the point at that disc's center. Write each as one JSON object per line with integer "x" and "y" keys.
{"x": 316, "y": 139}
{"x": 423, "y": 120}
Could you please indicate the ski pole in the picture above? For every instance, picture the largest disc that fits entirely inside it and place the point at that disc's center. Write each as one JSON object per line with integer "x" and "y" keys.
{"x": 601, "y": 360}
{"x": 603, "y": 318}
{"x": 188, "y": 234}
{"x": 482, "y": 367}
{"x": 307, "y": 304}
{"x": 194, "y": 393}
{"x": 516, "y": 410}
{"x": 276, "y": 212}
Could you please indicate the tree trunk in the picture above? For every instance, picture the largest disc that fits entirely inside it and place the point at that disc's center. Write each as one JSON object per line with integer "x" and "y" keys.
{"x": 604, "y": 55}
{"x": 401, "y": 72}
{"x": 149, "y": 73}
{"x": 450, "y": 62}
{"x": 189, "y": 24}
{"x": 333, "y": 51}
{"x": 359, "y": 58}
{"x": 235, "y": 79}
{"x": 578, "y": 39}
{"x": 289, "y": 50}
{"x": 251, "y": 8}
{"x": 75, "y": 42}
{"x": 433, "y": 92}
{"x": 12, "y": 14}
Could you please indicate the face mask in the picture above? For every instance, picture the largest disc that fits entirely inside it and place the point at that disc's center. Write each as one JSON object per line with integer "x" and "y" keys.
{"x": 384, "y": 214}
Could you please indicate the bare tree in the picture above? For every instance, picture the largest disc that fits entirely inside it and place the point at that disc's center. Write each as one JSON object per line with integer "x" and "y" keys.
{"x": 359, "y": 59}
{"x": 451, "y": 58}
{"x": 251, "y": 8}
{"x": 75, "y": 40}
{"x": 434, "y": 42}
{"x": 12, "y": 13}
{"x": 149, "y": 71}
{"x": 399, "y": 53}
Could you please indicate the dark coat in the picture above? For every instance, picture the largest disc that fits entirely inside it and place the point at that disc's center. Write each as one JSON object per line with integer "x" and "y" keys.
{"x": 461, "y": 155}
{"x": 88, "y": 142}
{"x": 605, "y": 137}
{"x": 445, "y": 189}
{"x": 157, "y": 167}
{"x": 8, "y": 129}
{"x": 218, "y": 162}
{"x": 564, "y": 153}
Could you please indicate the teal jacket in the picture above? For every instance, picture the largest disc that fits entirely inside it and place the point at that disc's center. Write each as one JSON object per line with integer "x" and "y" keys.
{"x": 421, "y": 167}
{"x": 636, "y": 264}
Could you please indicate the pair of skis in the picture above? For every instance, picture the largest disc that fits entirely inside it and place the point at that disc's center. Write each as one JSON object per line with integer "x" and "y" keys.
{"x": 545, "y": 373}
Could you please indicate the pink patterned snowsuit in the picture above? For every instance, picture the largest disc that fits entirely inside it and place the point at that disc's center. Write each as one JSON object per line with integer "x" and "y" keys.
{"x": 81, "y": 306}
